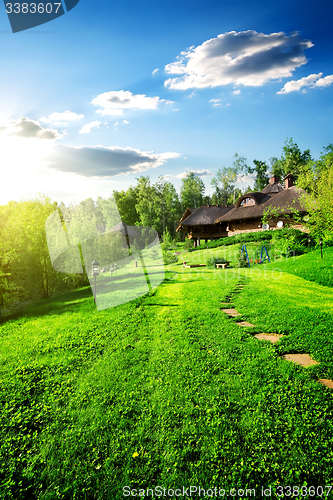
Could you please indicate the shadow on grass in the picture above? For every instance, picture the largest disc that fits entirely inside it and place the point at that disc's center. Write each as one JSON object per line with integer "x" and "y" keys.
{"x": 72, "y": 300}
{"x": 51, "y": 305}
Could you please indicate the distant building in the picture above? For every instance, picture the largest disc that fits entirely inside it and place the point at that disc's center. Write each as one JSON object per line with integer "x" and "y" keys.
{"x": 213, "y": 222}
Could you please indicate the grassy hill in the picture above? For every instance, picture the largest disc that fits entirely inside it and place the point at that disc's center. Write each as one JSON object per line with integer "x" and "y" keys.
{"x": 167, "y": 390}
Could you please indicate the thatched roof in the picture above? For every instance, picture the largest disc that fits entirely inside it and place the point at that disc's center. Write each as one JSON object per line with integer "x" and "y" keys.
{"x": 286, "y": 200}
{"x": 257, "y": 197}
{"x": 187, "y": 212}
{"x": 276, "y": 187}
{"x": 205, "y": 215}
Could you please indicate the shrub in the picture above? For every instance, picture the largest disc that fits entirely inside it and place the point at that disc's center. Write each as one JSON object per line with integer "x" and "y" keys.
{"x": 188, "y": 245}
{"x": 241, "y": 258}
{"x": 238, "y": 238}
{"x": 289, "y": 237}
{"x": 169, "y": 257}
{"x": 212, "y": 260}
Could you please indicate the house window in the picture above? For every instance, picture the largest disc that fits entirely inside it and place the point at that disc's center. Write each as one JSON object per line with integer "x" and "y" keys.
{"x": 247, "y": 201}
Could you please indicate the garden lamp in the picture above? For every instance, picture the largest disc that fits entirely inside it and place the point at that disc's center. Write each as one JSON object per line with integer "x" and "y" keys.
{"x": 321, "y": 247}
{"x": 95, "y": 272}
{"x": 111, "y": 270}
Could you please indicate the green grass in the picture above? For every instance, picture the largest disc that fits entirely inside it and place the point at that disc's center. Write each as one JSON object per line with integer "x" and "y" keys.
{"x": 311, "y": 266}
{"x": 167, "y": 390}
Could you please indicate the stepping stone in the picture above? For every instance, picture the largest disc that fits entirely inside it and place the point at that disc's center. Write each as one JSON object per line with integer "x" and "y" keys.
{"x": 301, "y": 359}
{"x": 272, "y": 337}
{"x": 231, "y": 312}
{"x": 244, "y": 323}
{"x": 325, "y": 381}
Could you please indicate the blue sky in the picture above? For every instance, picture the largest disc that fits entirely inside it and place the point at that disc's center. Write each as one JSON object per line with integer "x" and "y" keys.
{"x": 109, "y": 92}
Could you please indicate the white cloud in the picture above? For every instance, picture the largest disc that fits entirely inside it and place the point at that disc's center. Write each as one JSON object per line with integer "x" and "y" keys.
{"x": 216, "y": 102}
{"x": 86, "y": 129}
{"x": 29, "y": 129}
{"x": 245, "y": 180}
{"x": 294, "y": 85}
{"x": 167, "y": 177}
{"x": 66, "y": 116}
{"x": 236, "y": 92}
{"x": 115, "y": 102}
{"x": 124, "y": 122}
{"x": 311, "y": 81}
{"x": 324, "y": 82}
{"x": 247, "y": 58}
{"x": 198, "y": 173}
{"x": 155, "y": 71}
{"x": 99, "y": 161}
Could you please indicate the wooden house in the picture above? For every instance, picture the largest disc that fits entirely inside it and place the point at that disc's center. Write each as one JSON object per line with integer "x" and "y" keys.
{"x": 201, "y": 223}
{"x": 213, "y": 221}
{"x": 280, "y": 201}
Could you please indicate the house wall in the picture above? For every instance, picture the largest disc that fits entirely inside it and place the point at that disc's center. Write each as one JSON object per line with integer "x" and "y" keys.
{"x": 247, "y": 225}
{"x": 271, "y": 227}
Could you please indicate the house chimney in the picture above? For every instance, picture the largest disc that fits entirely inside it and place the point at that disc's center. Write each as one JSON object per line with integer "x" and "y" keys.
{"x": 289, "y": 181}
{"x": 274, "y": 179}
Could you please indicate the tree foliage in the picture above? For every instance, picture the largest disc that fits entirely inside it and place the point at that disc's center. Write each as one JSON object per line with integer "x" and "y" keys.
{"x": 260, "y": 169}
{"x": 192, "y": 191}
{"x": 292, "y": 160}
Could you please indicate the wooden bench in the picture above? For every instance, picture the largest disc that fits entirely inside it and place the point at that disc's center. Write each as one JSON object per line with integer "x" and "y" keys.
{"x": 226, "y": 264}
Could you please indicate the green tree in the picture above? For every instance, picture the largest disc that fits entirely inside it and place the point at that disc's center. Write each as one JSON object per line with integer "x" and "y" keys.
{"x": 226, "y": 192}
{"x": 168, "y": 209}
{"x": 192, "y": 191}
{"x": 224, "y": 184}
{"x": 313, "y": 170}
{"x": 126, "y": 202}
{"x": 260, "y": 168}
{"x": 292, "y": 160}
{"x": 319, "y": 181}
{"x": 25, "y": 254}
{"x": 147, "y": 203}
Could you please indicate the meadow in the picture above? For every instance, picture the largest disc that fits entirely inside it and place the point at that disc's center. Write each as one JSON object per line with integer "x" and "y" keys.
{"x": 167, "y": 390}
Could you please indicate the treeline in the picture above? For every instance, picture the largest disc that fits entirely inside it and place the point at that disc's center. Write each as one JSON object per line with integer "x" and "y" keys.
{"x": 26, "y": 271}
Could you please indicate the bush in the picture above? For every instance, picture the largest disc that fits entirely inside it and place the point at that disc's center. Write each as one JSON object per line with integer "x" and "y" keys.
{"x": 169, "y": 257}
{"x": 212, "y": 260}
{"x": 241, "y": 258}
{"x": 188, "y": 245}
{"x": 238, "y": 238}
{"x": 289, "y": 237}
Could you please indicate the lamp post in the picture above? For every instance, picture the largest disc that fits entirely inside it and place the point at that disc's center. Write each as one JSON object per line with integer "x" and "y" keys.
{"x": 321, "y": 247}
{"x": 95, "y": 272}
{"x": 111, "y": 270}
{"x": 309, "y": 242}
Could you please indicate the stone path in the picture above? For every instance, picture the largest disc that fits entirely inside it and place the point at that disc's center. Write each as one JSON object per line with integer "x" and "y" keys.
{"x": 325, "y": 381}
{"x": 301, "y": 359}
{"x": 231, "y": 312}
{"x": 272, "y": 337}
